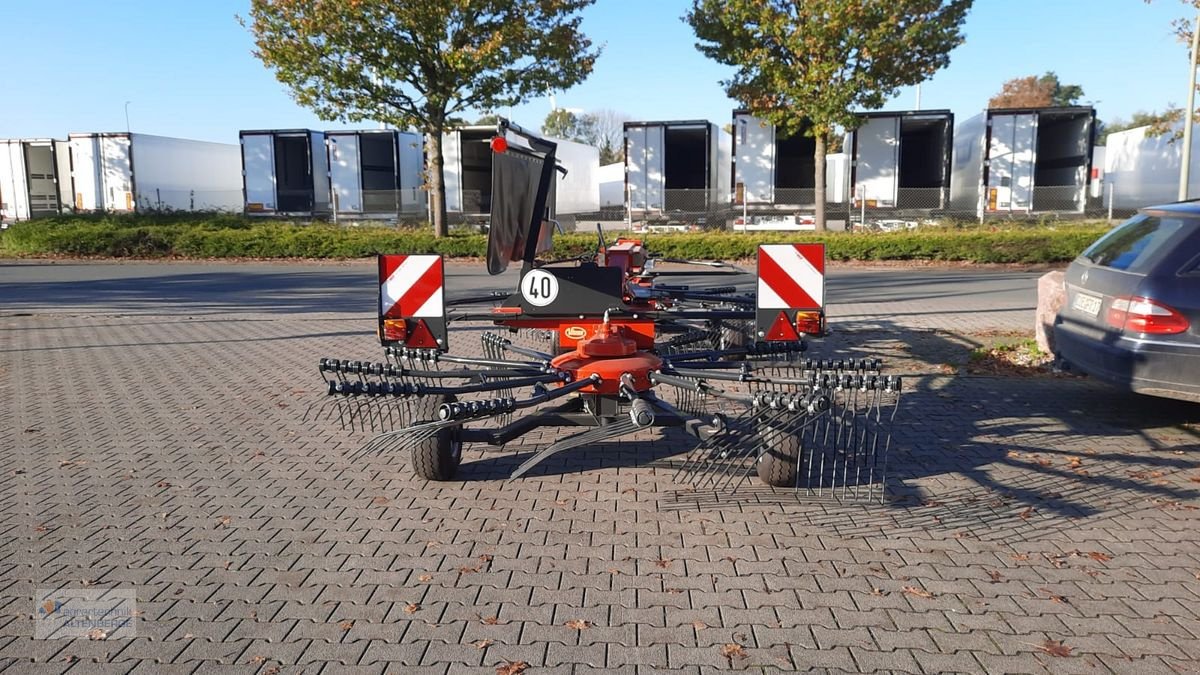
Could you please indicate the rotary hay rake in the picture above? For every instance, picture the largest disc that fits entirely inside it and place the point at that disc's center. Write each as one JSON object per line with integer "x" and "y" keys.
{"x": 612, "y": 342}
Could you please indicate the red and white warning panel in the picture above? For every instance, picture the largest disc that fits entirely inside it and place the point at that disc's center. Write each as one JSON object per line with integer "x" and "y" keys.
{"x": 412, "y": 302}
{"x": 791, "y": 292}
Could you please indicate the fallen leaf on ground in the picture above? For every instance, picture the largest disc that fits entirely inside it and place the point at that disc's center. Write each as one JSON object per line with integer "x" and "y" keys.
{"x": 484, "y": 644}
{"x": 1074, "y": 462}
{"x": 512, "y": 668}
{"x": 380, "y": 501}
{"x": 1099, "y": 557}
{"x": 223, "y": 521}
{"x": 613, "y": 570}
{"x": 1027, "y": 513}
{"x": 562, "y": 502}
{"x": 918, "y": 592}
{"x": 995, "y": 575}
{"x": 878, "y": 591}
{"x": 663, "y": 562}
{"x": 412, "y": 608}
{"x": 257, "y": 660}
{"x": 425, "y": 577}
{"x": 1054, "y": 596}
{"x": 273, "y": 670}
{"x": 162, "y": 484}
{"x": 1055, "y": 648}
{"x": 699, "y": 625}
{"x": 97, "y": 634}
{"x": 346, "y": 625}
{"x": 578, "y": 624}
{"x": 40, "y": 528}
{"x": 733, "y": 651}
{"x": 490, "y": 621}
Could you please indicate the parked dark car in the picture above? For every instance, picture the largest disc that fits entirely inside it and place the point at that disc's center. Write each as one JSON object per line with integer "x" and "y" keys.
{"x": 1132, "y": 311}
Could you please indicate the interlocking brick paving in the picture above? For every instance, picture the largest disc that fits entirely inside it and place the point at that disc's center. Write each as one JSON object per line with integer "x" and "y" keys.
{"x": 168, "y": 455}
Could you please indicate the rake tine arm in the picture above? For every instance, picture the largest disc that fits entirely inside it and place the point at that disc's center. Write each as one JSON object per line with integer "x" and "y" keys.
{"x": 503, "y": 344}
{"x": 692, "y": 426}
{"x": 698, "y": 386}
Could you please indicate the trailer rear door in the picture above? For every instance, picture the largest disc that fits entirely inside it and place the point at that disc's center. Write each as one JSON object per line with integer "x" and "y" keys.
{"x": 877, "y": 161}
{"x": 412, "y": 163}
{"x": 344, "y": 165}
{"x": 1011, "y": 162}
{"x": 646, "y": 173}
{"x": 258, "y": 172}
{"x": 755, "y": 158}
{"x": 43, "y": 186}
{"x": 117, "y": 173}
{"x": 13, "y": 194}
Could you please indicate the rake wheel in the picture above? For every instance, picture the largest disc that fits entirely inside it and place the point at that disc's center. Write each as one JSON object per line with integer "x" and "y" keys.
{"x": 779, "y": 462}
{"x": 437, "y": 457}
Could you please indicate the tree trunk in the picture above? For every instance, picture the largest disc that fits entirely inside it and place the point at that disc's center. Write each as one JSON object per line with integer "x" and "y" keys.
{"x": 819, "y": 180}
{"x": 437, "y": 183}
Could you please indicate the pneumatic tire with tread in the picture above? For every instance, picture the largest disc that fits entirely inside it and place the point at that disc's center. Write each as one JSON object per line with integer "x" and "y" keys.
{"x": 437, "y": 457}
{"x": 780, "y": 460}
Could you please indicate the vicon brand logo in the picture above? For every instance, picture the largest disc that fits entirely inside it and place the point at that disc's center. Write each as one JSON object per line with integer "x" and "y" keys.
{"x": 575, "y": 332}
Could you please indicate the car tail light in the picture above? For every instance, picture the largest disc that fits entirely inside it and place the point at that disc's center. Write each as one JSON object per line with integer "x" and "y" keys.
{"x": 1143, "y": 315}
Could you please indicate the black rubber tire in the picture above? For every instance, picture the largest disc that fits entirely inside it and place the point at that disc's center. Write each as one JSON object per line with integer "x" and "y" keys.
{"x": 437, "y": 457}
{"x": 780, "y": 462}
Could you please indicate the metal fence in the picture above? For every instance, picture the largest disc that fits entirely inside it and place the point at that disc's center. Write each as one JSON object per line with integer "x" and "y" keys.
{"x": 904, "y": 208}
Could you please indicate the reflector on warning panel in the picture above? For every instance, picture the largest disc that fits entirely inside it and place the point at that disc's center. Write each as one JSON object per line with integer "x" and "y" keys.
{"x": 412, "y": 304}
{"x": 791, "y": 290}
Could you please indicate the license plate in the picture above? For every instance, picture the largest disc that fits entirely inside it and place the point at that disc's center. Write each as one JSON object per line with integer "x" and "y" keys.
{"x": 1088, "y": 304}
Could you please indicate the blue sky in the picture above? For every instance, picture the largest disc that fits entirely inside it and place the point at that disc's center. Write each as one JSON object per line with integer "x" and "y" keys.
{"x": 187, "y": 70}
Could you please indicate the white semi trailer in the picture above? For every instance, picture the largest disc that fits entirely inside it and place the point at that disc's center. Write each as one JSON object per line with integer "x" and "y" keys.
{"x": 467, "y": 156}
{"x": 901, "y": 160}
{"x": 35, "y": 178}
{"x": 376, "y": 173}
{"x": 1142, "y": 168}
{"x": 774, "y": 172}
{"x": 123, "y": 172}
{"x": 285, "y": 172}
{"x": 677, "y": 166}
{"x": 1023, "y": 160}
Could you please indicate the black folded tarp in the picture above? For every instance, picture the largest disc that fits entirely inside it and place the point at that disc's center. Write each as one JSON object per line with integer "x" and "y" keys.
{"x": 515, "y": 179}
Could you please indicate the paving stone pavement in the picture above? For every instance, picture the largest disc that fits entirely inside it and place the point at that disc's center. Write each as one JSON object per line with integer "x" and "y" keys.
{"x": 168, "y": 455}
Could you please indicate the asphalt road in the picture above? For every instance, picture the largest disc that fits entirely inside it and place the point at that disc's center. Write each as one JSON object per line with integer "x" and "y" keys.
{"x": 926, "y": 297}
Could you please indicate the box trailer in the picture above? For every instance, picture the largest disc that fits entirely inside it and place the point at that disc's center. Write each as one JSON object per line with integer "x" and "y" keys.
{"x": 285, "y": 172}
{"x": 467, "y": 157}
{"x": 677, "y": 166}
{"x": 376, "y": 173}
{"x": 612, "y": 185}
{"x": 901, "y": 160}
{"x": 774, "y": 172}
{"x": 140, "y": 172}
{"x": 1096, "y": 188}
{"x": 1023, "y": 160}
{"x": 1143, "y": 169}
{"x": 35, "y": 178}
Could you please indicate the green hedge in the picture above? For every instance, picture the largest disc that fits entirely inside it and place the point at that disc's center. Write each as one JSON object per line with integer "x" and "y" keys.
{"x": 229, "y": 237}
